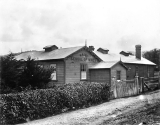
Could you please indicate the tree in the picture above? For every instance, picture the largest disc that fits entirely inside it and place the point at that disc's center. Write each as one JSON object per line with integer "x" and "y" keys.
{"x": 34, "y": 75}
{"x": 154, "y": 56}
{"x": 9, "y": 73}
{"x": 17, "y": 74}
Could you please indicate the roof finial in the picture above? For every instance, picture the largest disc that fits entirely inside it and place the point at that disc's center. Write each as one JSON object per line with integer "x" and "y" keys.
{"x": 85, "y": 42}
{"x": 120, "y": 58}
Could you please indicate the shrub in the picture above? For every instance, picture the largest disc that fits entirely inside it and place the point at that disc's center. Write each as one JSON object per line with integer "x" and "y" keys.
{"x": 41, "y": 103}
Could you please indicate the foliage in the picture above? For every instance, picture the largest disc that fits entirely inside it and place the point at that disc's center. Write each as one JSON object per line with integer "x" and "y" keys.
{"x": 153, "y": 55}
{"x": 17, "y": 75}
{"x": 34, "y": 75}
{"x": 9, "y": 72}
{"x": 36, "y": 104}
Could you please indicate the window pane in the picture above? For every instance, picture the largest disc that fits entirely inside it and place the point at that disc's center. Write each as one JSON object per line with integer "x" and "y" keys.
{"x": 118, "y": 75}
{"x": 54, "y": 73}
{"x": 83, "y": 75}
{"x": 84, "y": 67}
{"x": 83, "y": 71}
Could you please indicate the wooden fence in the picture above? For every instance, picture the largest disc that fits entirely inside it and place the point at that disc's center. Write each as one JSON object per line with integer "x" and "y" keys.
{"x": 124, "y": 88}
{"x": 136, "y": 86}
{"x": 151, "y": 82}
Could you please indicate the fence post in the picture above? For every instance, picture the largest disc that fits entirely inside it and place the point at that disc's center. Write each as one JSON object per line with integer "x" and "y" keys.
{"x": 159, "y": 79}
{"x": 136, "y": 84}
{"x": 142, "y": 84}
{"x": 114, "y": 87}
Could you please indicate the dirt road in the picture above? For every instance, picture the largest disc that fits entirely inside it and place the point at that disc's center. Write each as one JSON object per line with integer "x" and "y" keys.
{"x": 124, "y": 111}
{"x": 149, "y": 114}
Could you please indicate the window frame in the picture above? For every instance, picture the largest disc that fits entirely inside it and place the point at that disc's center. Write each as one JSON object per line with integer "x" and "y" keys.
{"x": 118, "y": 75}
{"x": 54, "y": 70}
{"x": 83, "y": 66}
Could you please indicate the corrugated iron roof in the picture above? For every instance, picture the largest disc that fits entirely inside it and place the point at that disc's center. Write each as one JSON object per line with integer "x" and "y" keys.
{"x": 124, "y": 59}
{"x": 55, "y": 54}
{"x": 104, "y": 48}
{"x": 103, "y": 65}
{"x": 108, "y": 64}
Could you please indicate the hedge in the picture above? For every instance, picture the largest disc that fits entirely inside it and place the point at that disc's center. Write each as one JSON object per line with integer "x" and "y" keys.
{"x": 41, "y": 103}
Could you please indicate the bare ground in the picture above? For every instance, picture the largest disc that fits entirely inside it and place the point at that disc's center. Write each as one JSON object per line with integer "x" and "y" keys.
{"x": 124, "y": 111}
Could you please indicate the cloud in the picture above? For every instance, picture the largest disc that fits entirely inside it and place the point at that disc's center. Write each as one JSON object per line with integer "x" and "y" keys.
{"x": 115, "y": 25}
{"x": 6, "y": 37}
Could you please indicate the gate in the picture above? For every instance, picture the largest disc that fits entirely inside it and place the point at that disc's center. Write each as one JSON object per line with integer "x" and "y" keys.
{"x": 126, "y": 88}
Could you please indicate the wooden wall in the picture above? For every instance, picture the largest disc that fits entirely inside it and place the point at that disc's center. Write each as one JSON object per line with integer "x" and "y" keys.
{"x": 142, "y": 70}
{"x": 151, "y": 70}
{"x": 100, "y": 75}
{"x": 72, "y": 65}
{"x": 116, "y": 68}
{"x": 60, "y": 71}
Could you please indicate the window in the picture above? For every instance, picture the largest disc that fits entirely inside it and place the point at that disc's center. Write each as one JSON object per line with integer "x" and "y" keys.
{"x": 137, "y": 70}
{"x": 54, "y": 73}
{"x": 118, "y": 75}
{"x": 83, "y": 71}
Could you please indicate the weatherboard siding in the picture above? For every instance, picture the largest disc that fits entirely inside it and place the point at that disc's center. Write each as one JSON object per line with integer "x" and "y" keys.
{"x": 142, "y": 70}
{"x": 72, "y": 66}
{"x": 151, "y": 70}
{"x": 60, "y": 71}
{"x": 100, "y": 75}
{"x": 116, "y": 68}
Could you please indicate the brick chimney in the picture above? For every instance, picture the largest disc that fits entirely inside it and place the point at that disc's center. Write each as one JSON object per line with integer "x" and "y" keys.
{"x": 138, "y": 52}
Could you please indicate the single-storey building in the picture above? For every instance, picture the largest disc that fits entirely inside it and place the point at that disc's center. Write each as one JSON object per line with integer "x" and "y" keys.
{"x": 71, "y": 64}
{"x": 82, "y": 63}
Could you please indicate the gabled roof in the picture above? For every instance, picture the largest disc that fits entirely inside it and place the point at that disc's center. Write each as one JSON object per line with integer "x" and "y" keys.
{"x": 125, "y": 59}
{"x": 107, "y": 65}
{"x": 55, "y": 54}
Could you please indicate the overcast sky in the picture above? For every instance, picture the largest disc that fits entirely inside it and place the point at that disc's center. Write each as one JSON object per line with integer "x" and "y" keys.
{"x": 113, "y": 24}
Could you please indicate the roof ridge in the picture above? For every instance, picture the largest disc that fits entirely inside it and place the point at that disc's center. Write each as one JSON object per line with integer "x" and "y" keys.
{"x": 71, "y": 47}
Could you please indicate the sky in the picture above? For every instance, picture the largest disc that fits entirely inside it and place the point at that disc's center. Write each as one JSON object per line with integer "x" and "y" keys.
{"x": 113, "y": 24}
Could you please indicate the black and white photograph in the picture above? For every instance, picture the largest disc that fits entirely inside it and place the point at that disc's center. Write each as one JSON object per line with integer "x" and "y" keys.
{"x": 80, "y": 62}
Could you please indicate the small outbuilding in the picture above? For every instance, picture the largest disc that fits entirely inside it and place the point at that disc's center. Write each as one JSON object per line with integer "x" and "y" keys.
{"x": 105, "y": 71}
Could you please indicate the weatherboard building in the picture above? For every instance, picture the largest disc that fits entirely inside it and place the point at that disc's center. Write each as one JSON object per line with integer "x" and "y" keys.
{"x": 70, "y": 64}
{"x": 82, "y": 63}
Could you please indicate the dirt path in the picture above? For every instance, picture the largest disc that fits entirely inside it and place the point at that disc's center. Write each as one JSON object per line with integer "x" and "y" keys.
{"x": 149, "y": 114}
{"x": 104, "y": 113}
